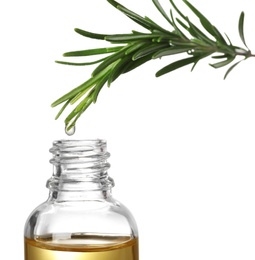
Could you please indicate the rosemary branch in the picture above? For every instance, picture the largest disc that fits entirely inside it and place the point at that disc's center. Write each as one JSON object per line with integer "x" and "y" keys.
{"x": 136, "y": 48}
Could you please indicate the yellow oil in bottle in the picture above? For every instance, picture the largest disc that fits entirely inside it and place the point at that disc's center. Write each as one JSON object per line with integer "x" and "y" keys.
{"x": 89, "y": 247}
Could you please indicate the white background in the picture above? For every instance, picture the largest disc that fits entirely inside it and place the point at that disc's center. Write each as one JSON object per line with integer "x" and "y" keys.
{"x": 183, "y": 145}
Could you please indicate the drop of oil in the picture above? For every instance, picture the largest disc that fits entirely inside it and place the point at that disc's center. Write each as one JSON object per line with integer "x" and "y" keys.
{"x": 70, "y": 131}
{"x": 191, "y": 51}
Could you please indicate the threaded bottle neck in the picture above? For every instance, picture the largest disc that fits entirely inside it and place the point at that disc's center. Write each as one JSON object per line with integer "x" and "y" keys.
{"x": 80, "y": 165}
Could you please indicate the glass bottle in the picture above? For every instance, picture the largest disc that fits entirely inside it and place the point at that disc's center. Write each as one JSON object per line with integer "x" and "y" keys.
{"x": 80, "y": 220}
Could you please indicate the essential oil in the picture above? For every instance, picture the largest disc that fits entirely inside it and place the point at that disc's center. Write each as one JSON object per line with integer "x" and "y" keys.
{"x": 82, "y": 248}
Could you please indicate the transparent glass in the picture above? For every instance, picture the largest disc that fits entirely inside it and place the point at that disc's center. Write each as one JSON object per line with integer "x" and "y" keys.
{"x": 80, "y": 220}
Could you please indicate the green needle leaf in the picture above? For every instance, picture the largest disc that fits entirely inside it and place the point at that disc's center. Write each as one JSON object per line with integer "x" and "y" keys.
{"x": 161, "y": 10}
{"x": 92, "y": 52}
{"x": 79, "y": 64}
{"x": 134, "y": 64}
{"x": 98, "y": 87}
{"x": 79, "y": 95}
{"x": 218, "y": 35}
{"x": 76, "y": 113}
{"x": 241, "y": 28}
{"x": 204, "y": 21}
{"x": 231, "y": 68}
{"x": 109, "y": 61}
{"x": 176, "y": 65}
{"x": 197, "y": 33}
{"x": 74, "y": 92}
{"x": 148, "y": 50}
{"x": 155, "y": 26}
{"x": 130, "y": 14}
{"x": 86, "y": 85}
{"x": 144, "y": 22}
{"x": 223, "y": 63}
{"x": 62, "y": 109}
{"x": 169, "y": 51}
{"x": 85, "y": 102}
{"x": 70, "y": 117}
{"x": 220, "y": 56}
{"x": 90, "y": 34}
{"x": 130, "y": 37}
{"x": 178, "y": 31}
{"x": 136, "y": 46}
{"x": 118, "y": 69}
{"x": 114, "y": 3}
{"x": 177, "y": 10}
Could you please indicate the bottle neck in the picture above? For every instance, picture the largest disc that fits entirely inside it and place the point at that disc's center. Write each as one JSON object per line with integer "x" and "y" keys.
{"x": 80, "y": 170}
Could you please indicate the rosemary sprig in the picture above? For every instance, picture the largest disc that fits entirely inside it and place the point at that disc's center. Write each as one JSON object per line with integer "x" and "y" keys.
{"x": 136, "y": 48}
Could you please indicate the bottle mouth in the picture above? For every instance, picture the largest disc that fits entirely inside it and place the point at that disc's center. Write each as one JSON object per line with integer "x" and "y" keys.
{"x": 78, "y": 163}
{"x": 78, "y": 151}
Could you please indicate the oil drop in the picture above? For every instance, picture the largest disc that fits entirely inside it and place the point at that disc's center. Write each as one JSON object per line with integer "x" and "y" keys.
{"x": 70, "y": 131}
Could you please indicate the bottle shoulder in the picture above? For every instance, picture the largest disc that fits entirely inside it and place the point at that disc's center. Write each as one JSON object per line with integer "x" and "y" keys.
{"x": 51, "y": 207}
{"x": 103, "y": 216}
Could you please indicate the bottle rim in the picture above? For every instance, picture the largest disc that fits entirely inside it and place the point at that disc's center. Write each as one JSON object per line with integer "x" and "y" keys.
{"x": 80, "y": 142}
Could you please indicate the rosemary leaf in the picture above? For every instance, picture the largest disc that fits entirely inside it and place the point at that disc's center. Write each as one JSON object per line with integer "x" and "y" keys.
{"x": 79, "y": 95}
{"x": 180, "y": 43}
{"x": 79, "y": 64}
{"x": 182, "y": 23}
{"x": 74, "y": 92}
{"x": 84, "y": 102}
{"x": 223, "y": 63}
{"x": 204, "y": 21}
{"x": 132, "y": 15}
{"x": 231, "y": 68}
{"x": 169, "y": 51}
{"x": 197, "y": 33}
{"x": 74, "y": 115}
{"x": 230, "y": 43}
{"x": 87, "y": 84}
{"x": 136, "y": 46}
{"x": 177, "y": 10}
{"x": 240, "y": 28}
{"x": 109, "y": 61}
{"x": 114, "y": 3}
{"x": 148, "y": 50}
{"x": 98, "y": 87}
{"x": 123, "y": 38}
{"x": 218, "y": 36}
{"x": 156, "y": 26}
{"x": 92, "y": 52}
{"x": 161, "y": 10}
{"x": 90, "y": 34}
{"x": 70, "y": 117}
{"x": 62, "y": 109}
{"x": 176, "y": 65}
{"x": 220, "y": 56}
{"x": 118, "y": 69}
{"x": 134, "y": 64}
{"x": 178, "y": 31}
